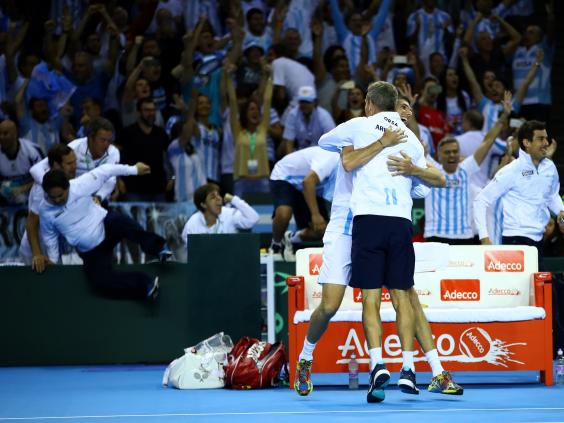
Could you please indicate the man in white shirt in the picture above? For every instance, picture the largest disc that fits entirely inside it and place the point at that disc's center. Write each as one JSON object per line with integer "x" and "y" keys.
{"x": 529, "y": 191}
{"x": 92, "y": 151}
{"x": 17, "y": 156}
{"x": 60, "y": 157}
{"x": 305, "y": 123}
{"x": 287, "y": 76}
{"x": 68, "y": 210}
{"x": 213, "y": 217}
{"x": 335, "y": 271}
{"x": 382, "y": 251}
{"x": 311, "y": 171}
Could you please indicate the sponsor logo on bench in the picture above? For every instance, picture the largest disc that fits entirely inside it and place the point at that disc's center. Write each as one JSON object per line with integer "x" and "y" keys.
{"x": 460, "y": 289}
{"x": 386, "y": 297}
{"x": 504, "y": 261}
{"x": 315, "y": 261}
{"x": 473, "y": 345}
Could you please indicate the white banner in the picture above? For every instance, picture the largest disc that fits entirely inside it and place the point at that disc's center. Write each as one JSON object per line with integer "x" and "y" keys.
{"x": 447, "y": 276}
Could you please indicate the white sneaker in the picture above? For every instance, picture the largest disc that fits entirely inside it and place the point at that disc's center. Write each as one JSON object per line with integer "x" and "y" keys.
{"x": 288, "y": 251}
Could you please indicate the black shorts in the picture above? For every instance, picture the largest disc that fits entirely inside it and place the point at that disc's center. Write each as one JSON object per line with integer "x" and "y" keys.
{"x": 285, "y": 194}
{"x": 382, "y": 252}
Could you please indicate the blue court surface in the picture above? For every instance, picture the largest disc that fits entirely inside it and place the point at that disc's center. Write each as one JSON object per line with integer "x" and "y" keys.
{"x": 134, "y": 394}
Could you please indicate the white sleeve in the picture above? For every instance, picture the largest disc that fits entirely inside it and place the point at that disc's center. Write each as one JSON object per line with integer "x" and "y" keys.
{"x": 323, "y": 164}
{"x": 37, "y": 171}
{"x": 470, "y": 165}
{"x": 555, "y": 204}
{"x": 278, "y": 74}
{"x": 419, "y": 189}
{"x": 110, "y": 184}
{"x": 337, "y": 138}
{"x": 50, "y": 238}
{"x": 35, "y": 198}
{"x": 245, "y": 217}
{"x": 498, "y": 186}
{"x": 92, "y": 181}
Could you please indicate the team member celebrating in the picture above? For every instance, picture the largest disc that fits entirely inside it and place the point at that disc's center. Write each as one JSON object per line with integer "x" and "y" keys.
{"x": 68, "y": 210}
{"x": 528, "y": 188}
{"x": 335, "y": 271}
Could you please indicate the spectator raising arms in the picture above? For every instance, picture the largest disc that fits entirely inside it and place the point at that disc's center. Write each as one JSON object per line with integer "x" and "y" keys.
{"x": 250, "y": 131}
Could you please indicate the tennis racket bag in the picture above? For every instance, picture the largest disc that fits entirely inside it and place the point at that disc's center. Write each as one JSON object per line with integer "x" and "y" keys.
{"x": 255, "y": 364}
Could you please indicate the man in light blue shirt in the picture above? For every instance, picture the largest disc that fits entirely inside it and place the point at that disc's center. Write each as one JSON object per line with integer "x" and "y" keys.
{"x": 305, "y": 123}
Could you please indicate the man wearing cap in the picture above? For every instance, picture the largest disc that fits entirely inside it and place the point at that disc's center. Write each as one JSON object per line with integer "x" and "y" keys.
{"x": 305, "y": 123}
{"x": 249, "y": 74}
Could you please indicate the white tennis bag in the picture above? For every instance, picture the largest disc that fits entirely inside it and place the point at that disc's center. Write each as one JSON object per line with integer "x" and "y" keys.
{"x": 201, "y": 366}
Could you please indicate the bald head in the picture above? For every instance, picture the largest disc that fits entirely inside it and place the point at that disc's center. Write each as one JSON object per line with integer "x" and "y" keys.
{"x": 8, "y": 135}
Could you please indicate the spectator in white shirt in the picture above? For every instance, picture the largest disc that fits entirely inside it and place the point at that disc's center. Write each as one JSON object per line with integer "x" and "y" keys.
{"x": 287, "y": 76}
{"x": 17, "y": 156}
{"x": 68, "y": 210}
{"x": 529, "y": 191}
{"x": 213, "y": 217}
{"x": 91, "y": 151}
{"x": 306, "y": 123}
{"x": 32, "y": 247}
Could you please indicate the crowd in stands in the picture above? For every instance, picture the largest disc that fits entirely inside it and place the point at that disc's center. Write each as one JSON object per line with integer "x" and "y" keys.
{"x": 219, "y": 91}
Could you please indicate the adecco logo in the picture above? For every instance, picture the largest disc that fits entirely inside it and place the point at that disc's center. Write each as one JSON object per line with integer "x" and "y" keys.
{"x": 460, "y": 289}
{"x": 504, "y": 261}
{"x": 315, "y": 262}
{"x": 357, "y": 295}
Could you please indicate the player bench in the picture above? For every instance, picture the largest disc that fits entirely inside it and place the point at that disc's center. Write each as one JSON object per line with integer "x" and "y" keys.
{"x": 488, "y": 306}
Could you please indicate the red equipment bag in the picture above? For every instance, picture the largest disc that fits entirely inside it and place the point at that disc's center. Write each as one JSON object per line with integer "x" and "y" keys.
{"x": 254, "y": 364}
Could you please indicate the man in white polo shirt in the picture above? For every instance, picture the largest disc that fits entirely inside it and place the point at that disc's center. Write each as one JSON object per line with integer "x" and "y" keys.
{"x": 91, "y": 151}
{"x": 68, "y": 210}
{"x": 529, "y": 191}
{"x": 32, "y": 248}
{"x": 17, "y": 156}
{"x": 291, "y": 181}
{"x": 213, "y": 217}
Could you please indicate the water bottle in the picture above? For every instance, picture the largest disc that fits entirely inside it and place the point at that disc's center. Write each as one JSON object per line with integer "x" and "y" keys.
{"x": 560, "y": 368}
{"x": 353, "y": 372}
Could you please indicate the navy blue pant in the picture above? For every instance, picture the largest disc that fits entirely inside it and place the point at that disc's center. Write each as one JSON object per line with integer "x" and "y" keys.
{"x": 522, "y": 240}
{"x": 98, "y": 261}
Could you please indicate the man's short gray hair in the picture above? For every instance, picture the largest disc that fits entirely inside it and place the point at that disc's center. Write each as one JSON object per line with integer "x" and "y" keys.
{"x": 447, "y": 140}
{"x": 97, "y": 124}
{"x": 383, "y": 95}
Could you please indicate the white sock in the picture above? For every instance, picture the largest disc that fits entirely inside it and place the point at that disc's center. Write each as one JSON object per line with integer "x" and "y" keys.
{"x": 295, "y": 237}
{"x": 307, "y": 351}
{"x": 408, "y": 362}
{"x": 433, "y": 360}
{"x": 277, "y": 243}
{"x": 375, "y": 357}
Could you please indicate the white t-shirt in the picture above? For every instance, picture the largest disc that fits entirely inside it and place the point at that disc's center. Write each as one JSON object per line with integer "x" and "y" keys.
{"x": 375, "y": 190}
{"x": 292, "y": 75}
{"x": 294, "y": 167}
